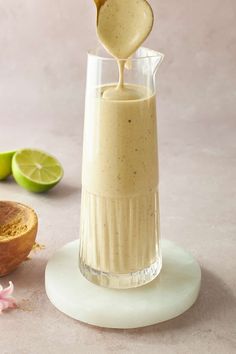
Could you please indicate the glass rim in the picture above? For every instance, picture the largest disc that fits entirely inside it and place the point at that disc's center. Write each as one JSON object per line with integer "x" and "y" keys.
{"x": 156, "y": 54}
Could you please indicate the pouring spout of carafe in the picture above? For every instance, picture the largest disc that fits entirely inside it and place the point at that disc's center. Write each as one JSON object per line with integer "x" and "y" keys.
{"x": 156, "y": 59}
{"x": 152, "y": 60}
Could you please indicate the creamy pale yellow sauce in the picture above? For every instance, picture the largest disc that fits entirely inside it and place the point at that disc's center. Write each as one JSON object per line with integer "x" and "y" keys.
{"x": 120, "y": 176}
{"x": 120, "y": 144}
{"x": 119, "y": 220}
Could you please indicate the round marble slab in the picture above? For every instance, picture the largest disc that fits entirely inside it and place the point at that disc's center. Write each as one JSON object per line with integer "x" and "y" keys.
{"x": 173, "y": 292}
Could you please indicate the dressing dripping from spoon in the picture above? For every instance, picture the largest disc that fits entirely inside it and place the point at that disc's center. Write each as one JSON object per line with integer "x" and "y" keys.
{"x": 122, "y": 26}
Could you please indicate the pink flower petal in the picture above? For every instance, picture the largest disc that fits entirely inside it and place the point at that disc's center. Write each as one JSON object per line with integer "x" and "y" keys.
{"x": 7, "y": 291}
{"x": 6, "y": 300}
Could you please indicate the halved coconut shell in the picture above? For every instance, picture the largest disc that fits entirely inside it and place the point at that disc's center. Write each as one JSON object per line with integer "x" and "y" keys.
{"x": 18, "y": 230}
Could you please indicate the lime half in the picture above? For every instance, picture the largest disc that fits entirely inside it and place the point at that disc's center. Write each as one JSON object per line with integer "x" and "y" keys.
{"x": 5, "y": 164}
{"x": 35, "y": 170}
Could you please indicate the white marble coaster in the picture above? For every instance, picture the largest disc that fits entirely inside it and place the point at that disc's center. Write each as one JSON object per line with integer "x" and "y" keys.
{"x": 173, "y": 292}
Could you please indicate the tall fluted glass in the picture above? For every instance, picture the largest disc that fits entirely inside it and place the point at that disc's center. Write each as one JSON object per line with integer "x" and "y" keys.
{"x": 119, "y": 234}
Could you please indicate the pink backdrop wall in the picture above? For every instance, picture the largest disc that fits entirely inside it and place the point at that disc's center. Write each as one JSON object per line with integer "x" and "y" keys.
{"x": 43, "y": 53}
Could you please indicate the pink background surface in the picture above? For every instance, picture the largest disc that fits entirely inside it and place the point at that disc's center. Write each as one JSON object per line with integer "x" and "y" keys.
{"x": 42, "y": 76}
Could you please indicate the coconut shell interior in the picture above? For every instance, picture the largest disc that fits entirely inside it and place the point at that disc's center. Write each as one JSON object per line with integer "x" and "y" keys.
{"x": 15, "y": 220}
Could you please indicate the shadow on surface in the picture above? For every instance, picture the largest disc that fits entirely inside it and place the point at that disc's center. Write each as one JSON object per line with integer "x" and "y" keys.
{"x": 28, "y": 273}
{"x": 215, "y": 300}
{"x": 63, "y": 190}
{"x": 8, "y": 181}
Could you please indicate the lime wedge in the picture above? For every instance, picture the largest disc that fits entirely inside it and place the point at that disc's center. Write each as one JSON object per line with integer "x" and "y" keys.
{"x": 5, "y": 164}
{"x": 35, "y": 170}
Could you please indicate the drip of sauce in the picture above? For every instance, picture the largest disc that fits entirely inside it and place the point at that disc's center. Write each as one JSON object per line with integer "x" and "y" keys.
{"x": 122, "y": 26}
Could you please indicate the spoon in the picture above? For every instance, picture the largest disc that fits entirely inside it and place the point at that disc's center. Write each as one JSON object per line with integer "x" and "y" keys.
{"x": 122, "y": 26}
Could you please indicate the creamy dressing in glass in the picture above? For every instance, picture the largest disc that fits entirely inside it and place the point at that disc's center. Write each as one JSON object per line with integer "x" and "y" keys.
{"x": 119, "y": 183}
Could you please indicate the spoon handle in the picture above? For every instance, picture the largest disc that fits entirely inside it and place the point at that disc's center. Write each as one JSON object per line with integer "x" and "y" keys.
{"x": 99, "y": 3}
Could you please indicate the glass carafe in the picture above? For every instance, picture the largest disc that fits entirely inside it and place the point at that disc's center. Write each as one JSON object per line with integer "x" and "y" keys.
{"x": 119, "y": 234}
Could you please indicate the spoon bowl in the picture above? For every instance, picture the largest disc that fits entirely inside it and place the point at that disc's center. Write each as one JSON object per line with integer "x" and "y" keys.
{"x": 122, "y": 26}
